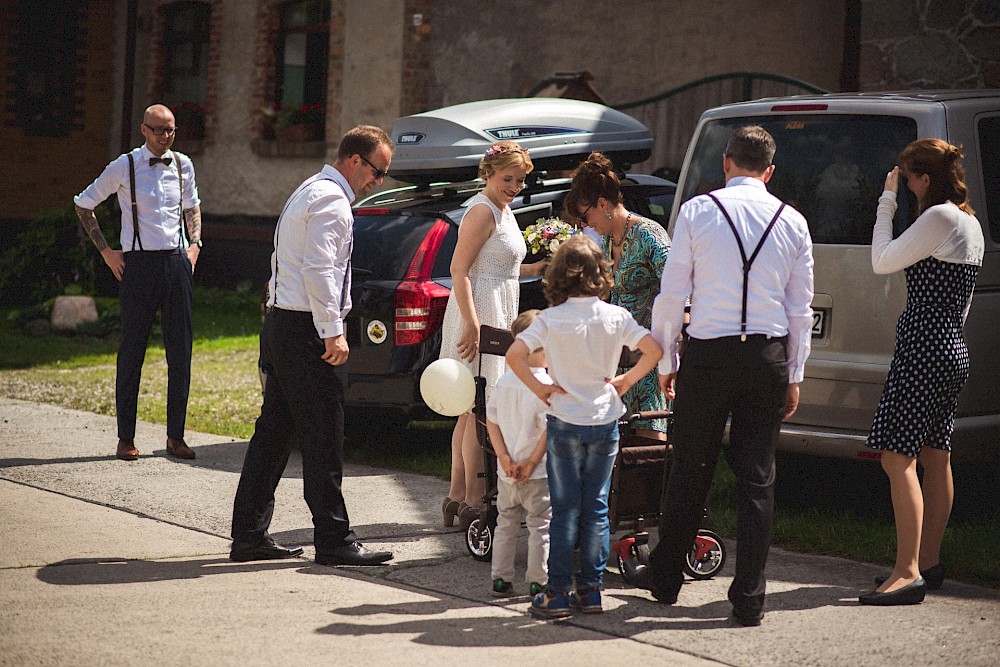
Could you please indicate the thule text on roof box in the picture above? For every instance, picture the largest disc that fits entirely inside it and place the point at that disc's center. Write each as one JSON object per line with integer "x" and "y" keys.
{"x": 447, "y": 144}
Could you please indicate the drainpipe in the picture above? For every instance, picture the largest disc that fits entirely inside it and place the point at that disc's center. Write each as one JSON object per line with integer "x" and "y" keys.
{"x": 128, "y": 84}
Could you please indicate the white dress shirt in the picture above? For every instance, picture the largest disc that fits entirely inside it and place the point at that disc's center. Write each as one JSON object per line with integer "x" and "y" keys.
{"x": 583, "y": 340}
{"x": 521, "y": 418}
{"x": 705, "y": 263}
{"x": 311, "y": 263}
{"x": 157, "y": 196}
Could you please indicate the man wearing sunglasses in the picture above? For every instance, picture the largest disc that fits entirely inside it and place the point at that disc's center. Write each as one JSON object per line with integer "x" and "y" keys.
{"x": 303, "y": 348}
{"x": 160, "y": 241}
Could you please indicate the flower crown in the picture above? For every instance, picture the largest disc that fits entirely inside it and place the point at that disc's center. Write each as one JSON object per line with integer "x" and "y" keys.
{"x": 498, "y": 149}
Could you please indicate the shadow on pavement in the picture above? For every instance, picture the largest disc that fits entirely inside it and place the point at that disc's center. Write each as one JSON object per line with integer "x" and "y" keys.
{"x": 90, "y": 571}
{"x": 225, "y": 456}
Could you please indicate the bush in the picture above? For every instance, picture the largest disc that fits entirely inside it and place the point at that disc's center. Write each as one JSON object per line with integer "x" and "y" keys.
{"x": 51, "y": 256}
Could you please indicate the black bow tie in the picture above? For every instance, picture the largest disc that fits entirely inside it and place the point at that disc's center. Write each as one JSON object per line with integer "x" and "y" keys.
{"x": 154, "y": 160}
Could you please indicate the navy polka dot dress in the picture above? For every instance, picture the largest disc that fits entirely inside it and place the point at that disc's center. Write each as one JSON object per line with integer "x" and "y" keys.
{"x": 931, "y": 362}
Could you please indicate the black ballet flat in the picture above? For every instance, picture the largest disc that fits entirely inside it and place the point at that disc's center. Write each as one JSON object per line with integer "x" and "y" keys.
{"x": 912, "y": 593}
{"x": 934, "y": 576}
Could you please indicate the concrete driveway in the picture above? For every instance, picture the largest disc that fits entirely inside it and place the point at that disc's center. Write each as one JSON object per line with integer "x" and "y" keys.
{"x": 106, "y": 562}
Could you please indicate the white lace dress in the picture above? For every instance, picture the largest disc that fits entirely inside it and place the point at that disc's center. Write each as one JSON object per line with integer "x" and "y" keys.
{"x": 494, "y": 289}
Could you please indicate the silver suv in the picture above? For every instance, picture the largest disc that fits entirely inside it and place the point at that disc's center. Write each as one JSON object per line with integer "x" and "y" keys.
{"x": 833, "y": 154}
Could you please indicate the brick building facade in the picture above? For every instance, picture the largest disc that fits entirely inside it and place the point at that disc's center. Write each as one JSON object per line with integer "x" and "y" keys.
{"x": 386, "y": 58}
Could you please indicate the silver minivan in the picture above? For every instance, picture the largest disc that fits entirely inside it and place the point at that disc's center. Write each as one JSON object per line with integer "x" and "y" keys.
{"x": 833, "y": 152}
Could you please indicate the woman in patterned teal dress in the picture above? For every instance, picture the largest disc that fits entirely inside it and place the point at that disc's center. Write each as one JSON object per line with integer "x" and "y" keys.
{"x": 637, "y": 249}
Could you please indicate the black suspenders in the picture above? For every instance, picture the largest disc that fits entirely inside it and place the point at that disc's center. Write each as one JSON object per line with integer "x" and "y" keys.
{"x": 346, "y": 288}
{"x": 135, "y": 208}
{"x": 747, "y": 263}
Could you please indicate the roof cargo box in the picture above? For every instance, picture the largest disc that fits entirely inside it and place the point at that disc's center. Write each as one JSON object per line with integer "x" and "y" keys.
{"x": 447, "y": 144}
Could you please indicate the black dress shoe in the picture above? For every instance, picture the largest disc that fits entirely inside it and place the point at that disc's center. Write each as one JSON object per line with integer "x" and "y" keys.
{"x": 748, "y": 619}
{"x": 352, "y": 554}
{"x": 640, "y": 576}
{"x": 912, "y": 593}
{"x": 934, "y": 576}
{"x": 266, "y": 549}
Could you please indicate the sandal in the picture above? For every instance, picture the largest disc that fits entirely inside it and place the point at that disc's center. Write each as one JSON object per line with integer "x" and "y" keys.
{"x": 467, "y": 514}
{"x": 449, "y": 510}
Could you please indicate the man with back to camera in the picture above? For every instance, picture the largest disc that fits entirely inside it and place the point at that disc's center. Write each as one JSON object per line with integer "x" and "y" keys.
{"x": 746, "y": 261}
{"x": 303, "y": 347}
{"x": 160, "y": 240}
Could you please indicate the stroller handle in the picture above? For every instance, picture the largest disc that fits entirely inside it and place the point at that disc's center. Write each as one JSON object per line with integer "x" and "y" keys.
{"x": 645, "y": 415}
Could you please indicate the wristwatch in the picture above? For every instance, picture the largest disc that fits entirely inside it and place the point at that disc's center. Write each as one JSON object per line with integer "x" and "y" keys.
{"x": 197, "y": 243}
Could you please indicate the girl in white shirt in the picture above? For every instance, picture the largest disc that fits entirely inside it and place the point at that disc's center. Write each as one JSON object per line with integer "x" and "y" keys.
{"x": 941, "y": 254}
{"x": 582, "y": 337}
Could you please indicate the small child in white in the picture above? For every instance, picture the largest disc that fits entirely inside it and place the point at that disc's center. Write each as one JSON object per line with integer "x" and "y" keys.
{"x": 515, "y": 419}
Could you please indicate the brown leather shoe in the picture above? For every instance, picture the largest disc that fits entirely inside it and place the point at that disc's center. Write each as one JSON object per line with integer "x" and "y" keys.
{"x": 177, "y": 447}
{"x": 127, "y": 451}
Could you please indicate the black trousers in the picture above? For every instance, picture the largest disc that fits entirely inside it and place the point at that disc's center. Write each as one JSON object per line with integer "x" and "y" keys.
{"x": 155, "y": 280}
{"x": 304, "y": 399}
{"x": 745, "y": 382}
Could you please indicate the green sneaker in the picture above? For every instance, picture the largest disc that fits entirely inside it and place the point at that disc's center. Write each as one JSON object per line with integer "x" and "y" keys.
{"x": 535, "y": 588}
{"x": 502, "y": 589}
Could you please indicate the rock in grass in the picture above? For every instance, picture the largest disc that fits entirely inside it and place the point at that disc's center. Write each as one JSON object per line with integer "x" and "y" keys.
{"x": 69, "y": 312}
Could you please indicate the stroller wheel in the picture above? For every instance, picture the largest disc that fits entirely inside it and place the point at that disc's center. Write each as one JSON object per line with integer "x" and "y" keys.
{"x": 707, "y": 555}
{"x": 641, "y": 552}
{"x": 621, "y": 551}
{"x": 479, "y": 541}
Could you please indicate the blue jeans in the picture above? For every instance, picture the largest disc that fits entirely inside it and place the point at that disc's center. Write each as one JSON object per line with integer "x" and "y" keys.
{"x": 579, "y": 463}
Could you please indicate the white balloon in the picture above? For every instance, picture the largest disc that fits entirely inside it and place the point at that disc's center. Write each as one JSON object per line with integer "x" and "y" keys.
{"x": 448, "y": 388}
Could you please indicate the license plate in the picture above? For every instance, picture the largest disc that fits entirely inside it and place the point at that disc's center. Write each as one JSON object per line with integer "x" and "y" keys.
{"x": 819, "y": 322}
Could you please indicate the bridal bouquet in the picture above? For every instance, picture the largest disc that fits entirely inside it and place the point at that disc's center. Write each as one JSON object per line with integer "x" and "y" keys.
{"x": 546, "y": 234}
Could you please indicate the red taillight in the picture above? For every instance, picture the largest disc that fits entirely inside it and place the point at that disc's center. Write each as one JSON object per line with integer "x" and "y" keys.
{"x": 420, "y": 302}
{"x": 800, "y": 107}
{"x": 371, "y": 211}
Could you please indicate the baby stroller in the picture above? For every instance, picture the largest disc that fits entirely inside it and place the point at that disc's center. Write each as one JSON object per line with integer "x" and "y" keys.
{"x": 637, "y": 483}
{"x": 479, "y": 534}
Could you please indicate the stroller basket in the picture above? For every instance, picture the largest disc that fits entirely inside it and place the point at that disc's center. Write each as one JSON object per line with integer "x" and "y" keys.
{"x": 638, "y": 478}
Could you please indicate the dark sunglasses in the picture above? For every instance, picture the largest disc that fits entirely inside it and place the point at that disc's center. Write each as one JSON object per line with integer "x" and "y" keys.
{"x": 379, "y": 173}
{"x": 583, "y": 216}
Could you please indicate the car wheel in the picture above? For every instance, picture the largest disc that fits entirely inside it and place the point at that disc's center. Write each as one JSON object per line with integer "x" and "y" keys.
{"x": 378, "y": 427}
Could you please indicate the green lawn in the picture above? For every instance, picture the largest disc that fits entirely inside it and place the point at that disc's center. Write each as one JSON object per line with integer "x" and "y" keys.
{"x": 78, "y": 372}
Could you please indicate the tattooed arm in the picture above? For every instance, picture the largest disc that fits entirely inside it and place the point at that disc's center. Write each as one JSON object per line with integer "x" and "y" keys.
{"x": 115, "y": 259}
{"x": 192, "y": 220}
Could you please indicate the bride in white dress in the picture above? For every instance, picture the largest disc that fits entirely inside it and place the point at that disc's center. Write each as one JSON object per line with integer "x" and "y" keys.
{"x": 484, "y": 271}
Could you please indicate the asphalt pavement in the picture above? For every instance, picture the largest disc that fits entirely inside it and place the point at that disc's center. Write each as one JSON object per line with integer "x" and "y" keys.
{"x": 105, "y": 562}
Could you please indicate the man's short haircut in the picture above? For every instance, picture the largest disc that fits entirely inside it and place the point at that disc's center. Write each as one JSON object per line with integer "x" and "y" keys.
{"x": 523, "y": 321}
{"x": 363, "y": 140}
{"x": 751, "y": 147}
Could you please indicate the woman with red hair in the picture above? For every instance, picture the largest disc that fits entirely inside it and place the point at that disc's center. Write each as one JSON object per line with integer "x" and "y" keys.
{"x": 941, "y": 253}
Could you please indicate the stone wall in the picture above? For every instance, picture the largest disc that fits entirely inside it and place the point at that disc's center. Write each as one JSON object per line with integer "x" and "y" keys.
{"x": 930, "y": 44}
{"x": 634, "y": 49}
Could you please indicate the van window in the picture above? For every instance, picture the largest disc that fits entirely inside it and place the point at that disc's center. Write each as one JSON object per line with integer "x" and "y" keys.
{"x": 989, "y": 154}
{"x": 830, "y": 167}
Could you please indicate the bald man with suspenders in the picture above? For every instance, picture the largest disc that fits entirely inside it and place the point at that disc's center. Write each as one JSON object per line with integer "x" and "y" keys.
{"x": 160, "y": 241}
